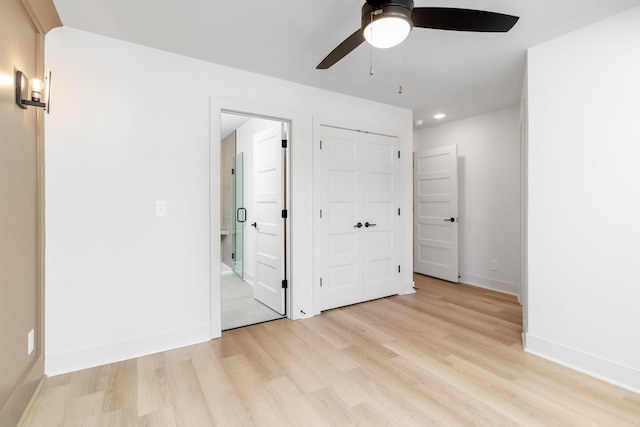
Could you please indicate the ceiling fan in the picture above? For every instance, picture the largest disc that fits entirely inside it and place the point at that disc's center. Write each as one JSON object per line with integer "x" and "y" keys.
{"x": 386, "y": 23}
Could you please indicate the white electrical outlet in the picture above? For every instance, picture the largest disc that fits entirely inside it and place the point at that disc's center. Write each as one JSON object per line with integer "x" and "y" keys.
{"x": 494, "y": 264}
{"x": 31, "y": 341}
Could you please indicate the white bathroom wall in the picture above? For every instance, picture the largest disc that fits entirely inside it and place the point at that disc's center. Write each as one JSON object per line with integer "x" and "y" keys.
{"x": 583, "y": 233}
{"x": 129, "y": 126}
{"x": 489, "y": 195}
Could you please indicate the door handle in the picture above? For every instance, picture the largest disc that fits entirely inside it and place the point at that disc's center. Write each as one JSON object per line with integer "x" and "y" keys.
{"x": 255, "y": 224}
{"x": 358, "y": 225}
{"x": 368, "y": 224}
{"x": 450, "y": 220}
{"x": 244, "y": 215}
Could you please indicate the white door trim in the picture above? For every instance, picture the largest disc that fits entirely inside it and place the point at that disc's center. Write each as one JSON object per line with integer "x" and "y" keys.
{"x": 215, "y": 301}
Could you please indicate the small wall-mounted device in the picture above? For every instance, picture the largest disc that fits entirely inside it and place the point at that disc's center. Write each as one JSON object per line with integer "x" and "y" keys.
{"x": 28, "y": 91}
{"x": 161, "y": 208}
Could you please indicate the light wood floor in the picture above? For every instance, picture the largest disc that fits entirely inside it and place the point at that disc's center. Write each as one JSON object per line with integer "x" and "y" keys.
{"x": 449, "y": 355}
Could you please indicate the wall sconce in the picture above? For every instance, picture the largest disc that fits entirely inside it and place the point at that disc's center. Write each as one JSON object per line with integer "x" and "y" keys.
{"x": 29, "y": 91}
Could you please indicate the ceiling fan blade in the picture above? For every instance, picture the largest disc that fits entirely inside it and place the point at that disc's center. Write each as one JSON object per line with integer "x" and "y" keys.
{"x": 352, "y": 42}
{"x": 446, "y": 18}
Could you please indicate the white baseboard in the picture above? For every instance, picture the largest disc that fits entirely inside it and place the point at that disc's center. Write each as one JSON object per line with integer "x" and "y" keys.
{"x": 77, "y": 359}
{"x": 495, "y": 285}
{"x": 306, "y": 311}
{"x": 609, "y": 371}
{"x": 249, "y": 278}
{"x": 407, "y": 288}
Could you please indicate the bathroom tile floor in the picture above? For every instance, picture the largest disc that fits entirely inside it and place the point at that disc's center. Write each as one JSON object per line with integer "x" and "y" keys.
{"x": 238, "y": 306}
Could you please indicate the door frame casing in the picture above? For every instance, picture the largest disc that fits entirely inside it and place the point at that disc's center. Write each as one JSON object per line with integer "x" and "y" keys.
{"x": 215, "y": 256}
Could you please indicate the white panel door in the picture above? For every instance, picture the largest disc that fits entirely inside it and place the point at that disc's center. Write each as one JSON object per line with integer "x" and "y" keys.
{"x": 268, "y": 185}
{"x": 357, "y": 226}
{"x": 436, "y": 213}
{"x": 380, "y": 248}
{"x": 340, "y": 239}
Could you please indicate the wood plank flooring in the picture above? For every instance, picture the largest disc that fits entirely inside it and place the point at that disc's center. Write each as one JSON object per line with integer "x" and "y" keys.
{"x": 448, "y": 355}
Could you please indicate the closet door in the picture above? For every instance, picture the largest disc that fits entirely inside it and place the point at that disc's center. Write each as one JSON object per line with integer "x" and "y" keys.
{"x": 380, "y": 248}
{"x": 340, "y": 238}
{"x": 356, "y": 231}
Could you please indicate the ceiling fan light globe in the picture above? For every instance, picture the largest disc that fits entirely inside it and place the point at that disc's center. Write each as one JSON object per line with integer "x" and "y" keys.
{"x": 386, "y": 32}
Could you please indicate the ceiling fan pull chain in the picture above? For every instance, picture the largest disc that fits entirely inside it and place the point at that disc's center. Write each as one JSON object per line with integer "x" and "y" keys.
{"x": 371, "y": 49}
{"x": 400, "y": 73}
{"x": 371, "y": 65}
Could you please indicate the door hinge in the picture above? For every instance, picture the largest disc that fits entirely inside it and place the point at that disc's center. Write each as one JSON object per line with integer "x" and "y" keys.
{"x": 398, "y": 211}
{"x": 321, "y": 144}
{"x": 284, "y": 213}
{"x": 284, "y": 143}
{"x": 320, "y": 213}
{"x": 285, "y": 284}
{"x": 398, "y": 154}
{"x": 233, "y": 171}
{"x": 398, "y": 269}
{"x": 233, "y": 256}
{"x": 321, "y": 282}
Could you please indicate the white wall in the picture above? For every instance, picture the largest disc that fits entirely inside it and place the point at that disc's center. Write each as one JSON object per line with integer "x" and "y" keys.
{"x": 584, "y": 203}
{"x": 130, "y": 125}
{"x": 489, "y": 195}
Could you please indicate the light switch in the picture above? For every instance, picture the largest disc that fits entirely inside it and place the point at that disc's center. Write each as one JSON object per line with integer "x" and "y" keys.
{"x": 161, "y": 209}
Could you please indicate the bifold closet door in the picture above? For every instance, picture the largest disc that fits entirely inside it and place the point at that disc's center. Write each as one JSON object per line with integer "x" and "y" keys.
{"x": 356, "y": 229}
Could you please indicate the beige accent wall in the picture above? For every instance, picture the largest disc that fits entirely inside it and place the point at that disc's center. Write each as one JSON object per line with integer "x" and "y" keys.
{"x": 23, "y": 24}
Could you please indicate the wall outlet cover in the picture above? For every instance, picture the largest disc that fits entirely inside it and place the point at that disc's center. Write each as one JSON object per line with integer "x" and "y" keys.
{"x": 31, "y": 341}
{"x": 161, "y": 209}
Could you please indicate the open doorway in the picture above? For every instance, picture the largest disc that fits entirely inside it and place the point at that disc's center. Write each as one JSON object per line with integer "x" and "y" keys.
{"x": 253, "y": 161}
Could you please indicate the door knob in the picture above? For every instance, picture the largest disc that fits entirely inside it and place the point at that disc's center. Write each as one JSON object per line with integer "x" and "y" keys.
{"x": 450, "y": 220}
{"x": 368, "y": 224}
{"x": 358, "y": 225}
{"x": 255, "y": 224}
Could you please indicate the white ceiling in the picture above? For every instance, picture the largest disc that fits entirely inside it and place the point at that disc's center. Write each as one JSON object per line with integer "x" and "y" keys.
{"x": 461, "y": 74}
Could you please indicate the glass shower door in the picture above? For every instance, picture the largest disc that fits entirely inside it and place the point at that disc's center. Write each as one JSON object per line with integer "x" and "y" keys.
{"x": 239, "y": 215}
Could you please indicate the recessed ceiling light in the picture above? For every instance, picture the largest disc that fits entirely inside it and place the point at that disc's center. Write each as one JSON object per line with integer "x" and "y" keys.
{"x": 419, "y": 122}
{"x": 439, "y": 116}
